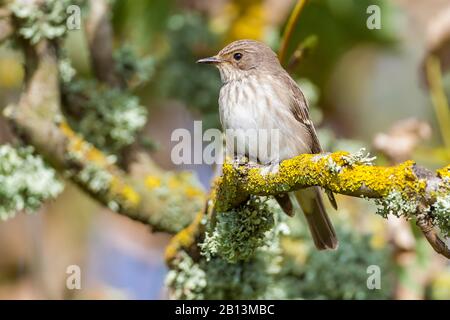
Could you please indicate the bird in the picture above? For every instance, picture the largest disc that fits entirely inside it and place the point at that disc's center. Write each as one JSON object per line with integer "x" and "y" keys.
{"x": 257, "y": 93}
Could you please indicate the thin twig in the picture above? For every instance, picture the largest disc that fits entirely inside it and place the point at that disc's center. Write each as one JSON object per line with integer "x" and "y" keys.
{"x": 426, "y": 226}
{"x": 292, "y": 22}
{"x": 303, "y": 50}
{"x": 439, "y": 99}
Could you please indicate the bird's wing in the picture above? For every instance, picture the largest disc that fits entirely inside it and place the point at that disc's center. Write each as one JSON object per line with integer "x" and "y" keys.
{"x": 300, "y": 110}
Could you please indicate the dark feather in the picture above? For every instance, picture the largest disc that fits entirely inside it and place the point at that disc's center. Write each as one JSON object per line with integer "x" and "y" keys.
{"x": 300, "y": 110}
{"x": 285, "y": 203}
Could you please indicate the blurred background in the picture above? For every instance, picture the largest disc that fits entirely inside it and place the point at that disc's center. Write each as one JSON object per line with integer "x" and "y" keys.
{"x": 366, "y": 88}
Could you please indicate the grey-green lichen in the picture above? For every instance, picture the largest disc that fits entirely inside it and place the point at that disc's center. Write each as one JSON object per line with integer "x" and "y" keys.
{"x": 236, "y": 234}
{"x": 66, "y": 71}
{"x": 42, "y": 19}
{"x": 120, "y": 113}
{"x": 396, "y": 204}
{"x": 96, "y": 178}
{"x": 441, "y": 214}
{"x": 132, "y": 68}
{"x": 25, "y": 181}
{"x": 255, "y": 278}
{"x": 359, "y": 158}
{"x": 187, "y": 280}
{"x": 275, "y": 271}
{"x": 186, "y": 33}
{"x": 350, "y": 160}
{"x": 333, "y": 167}
{"x": 217, "y": 279}
{"x": 172, "y": 195}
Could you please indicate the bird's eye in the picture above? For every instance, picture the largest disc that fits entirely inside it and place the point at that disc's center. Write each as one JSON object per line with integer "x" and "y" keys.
{"x": 237, "y": 56}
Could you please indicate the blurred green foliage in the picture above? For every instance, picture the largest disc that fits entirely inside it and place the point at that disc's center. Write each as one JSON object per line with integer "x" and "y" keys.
{"x": 342, "y": 274}
{"x": 179, "y": 77}
{"x": 338, "y": 25}
{"x": 142, "y": 23}
{"x": 134, "y": 70}
{"x": 119, "y": 112}
{"x": 176, "y": 40}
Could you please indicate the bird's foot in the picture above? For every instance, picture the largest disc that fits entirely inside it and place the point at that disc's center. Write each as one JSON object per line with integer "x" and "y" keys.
{"x": 240, "y": 161}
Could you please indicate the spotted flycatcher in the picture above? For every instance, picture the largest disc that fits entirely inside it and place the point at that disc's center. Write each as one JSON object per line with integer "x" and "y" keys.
{"x": 257, "y": 93}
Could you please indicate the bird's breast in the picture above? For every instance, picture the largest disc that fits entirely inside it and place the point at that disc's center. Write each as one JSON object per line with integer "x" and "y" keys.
{"x": 247, "y": 104}
{"x": 251, "y": 104}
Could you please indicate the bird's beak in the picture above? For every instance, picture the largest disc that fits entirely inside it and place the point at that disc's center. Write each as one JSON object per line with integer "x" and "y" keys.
{"x": 210, "y": 60}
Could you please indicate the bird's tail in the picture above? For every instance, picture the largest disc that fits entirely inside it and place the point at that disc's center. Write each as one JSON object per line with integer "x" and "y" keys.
{"x": 322, "y": 231}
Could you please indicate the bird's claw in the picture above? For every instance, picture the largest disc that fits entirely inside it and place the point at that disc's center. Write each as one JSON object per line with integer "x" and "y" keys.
{"x": 239, "y": 161}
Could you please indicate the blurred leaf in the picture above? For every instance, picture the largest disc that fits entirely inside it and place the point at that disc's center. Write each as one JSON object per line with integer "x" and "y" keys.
{"x": 141, "y": 22}
{"x": 338, "y": 25}
{"x": 179, "y": 77}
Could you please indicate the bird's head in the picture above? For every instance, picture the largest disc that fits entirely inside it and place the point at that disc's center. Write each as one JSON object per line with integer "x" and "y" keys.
{"x": 242, "y": 57}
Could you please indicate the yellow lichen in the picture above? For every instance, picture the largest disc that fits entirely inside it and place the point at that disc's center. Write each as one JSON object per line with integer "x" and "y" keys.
{"x": 130, "y": 195}
{"x": 226, "y": 190}
{"x": 184, "y": 239}
{"x": 305, "y": 171}
{"x": 174, "y": 182}
{"x": 121, "y": 190}
{"x": 444, "y": 172}
{"x": 314, "y": 170}
{"x": 95, "y": 155}
{"x": 67, "y": 130}
{"x": 193, "y": 192}
{"x": 79, "y": 147}
{"x": 152, "y": 182}
{"x": 118, "y": 188}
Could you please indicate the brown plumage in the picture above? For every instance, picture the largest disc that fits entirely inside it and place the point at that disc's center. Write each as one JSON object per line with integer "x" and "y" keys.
{"x": 258, "y": 94}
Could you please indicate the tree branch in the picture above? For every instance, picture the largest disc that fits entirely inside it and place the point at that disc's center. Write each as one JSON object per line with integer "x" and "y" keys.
{"x": 165, "y": 201}
{"x": 289, "y": 30}
{"x": 439, "y": 98}
{"x": 342, "y": 174}
{"x": 100, "y": 39}
{"x": 6, "y": 28}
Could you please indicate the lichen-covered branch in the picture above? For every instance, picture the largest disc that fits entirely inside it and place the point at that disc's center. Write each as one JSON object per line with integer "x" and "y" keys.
{"x": 168, "y": 201}
{"x": 165, "y": 201}
{"x": 406, "y": 190}
{"x": 106, "y": 66}
{"x": 330, "y": 171}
